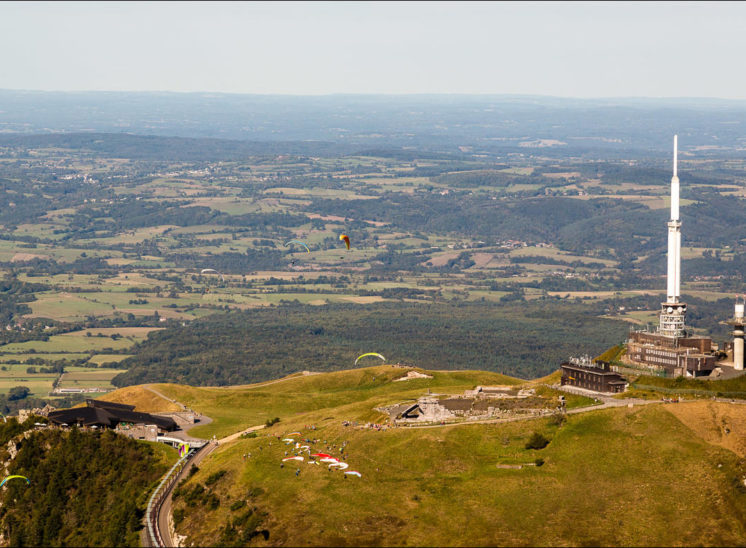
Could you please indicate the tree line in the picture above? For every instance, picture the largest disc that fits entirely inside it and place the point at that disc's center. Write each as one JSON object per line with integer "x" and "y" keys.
{"x": 519, "y": 339}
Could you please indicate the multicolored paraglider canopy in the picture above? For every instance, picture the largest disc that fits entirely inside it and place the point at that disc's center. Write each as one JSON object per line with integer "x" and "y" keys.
{"x": 370, "y": 354}
{"x": 183, "y": 449}
{"x": 346, "y": 239}
{"x": 308, "y": 249}
{"x": 14, "y": 477}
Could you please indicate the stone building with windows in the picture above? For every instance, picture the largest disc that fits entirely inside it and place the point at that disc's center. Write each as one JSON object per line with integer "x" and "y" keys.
{"x": 592, "y": 375}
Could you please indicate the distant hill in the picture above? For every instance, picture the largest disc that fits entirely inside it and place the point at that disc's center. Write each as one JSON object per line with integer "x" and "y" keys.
{"x": 182, "y": 149}
{"x": 443, "y": 122}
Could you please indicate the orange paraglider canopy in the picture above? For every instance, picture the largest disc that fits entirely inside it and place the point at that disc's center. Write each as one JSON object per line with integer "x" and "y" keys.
{"x": 346, "y": 239}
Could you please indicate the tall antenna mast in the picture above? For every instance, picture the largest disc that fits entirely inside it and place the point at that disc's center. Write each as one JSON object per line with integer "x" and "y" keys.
{"x": 674, "y": 311}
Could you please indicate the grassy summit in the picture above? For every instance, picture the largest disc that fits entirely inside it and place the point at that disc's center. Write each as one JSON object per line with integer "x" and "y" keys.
{"x": 352, "y": 394}
{"x": 652, "y": 475}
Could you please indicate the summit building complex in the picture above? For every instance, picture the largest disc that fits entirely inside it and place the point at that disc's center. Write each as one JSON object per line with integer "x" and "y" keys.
{"x": 671, "y": 349}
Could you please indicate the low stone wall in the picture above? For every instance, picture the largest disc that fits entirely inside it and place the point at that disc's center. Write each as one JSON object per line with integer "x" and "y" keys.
{"x": 147, "y": 432}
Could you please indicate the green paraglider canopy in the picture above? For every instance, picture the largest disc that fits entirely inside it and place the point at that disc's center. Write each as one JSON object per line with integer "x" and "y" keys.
{"x": 370, "y": 354}
{"x": 13, "y": 477}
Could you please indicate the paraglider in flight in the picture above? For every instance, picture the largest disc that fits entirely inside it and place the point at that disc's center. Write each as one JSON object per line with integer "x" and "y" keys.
{"x": 206, "y": 270}
{"x": 308, "y": 249}
{"x": 346, "y": 239}
{"x": 13, "y": 477}
{"x": 354, "y": 473}
{"x": 370, "y": 354}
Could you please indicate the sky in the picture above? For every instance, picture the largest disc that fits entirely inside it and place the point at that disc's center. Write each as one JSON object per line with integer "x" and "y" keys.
{"x": 566, "y": 49}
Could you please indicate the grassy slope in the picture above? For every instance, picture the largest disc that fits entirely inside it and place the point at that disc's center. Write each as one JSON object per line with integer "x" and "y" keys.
{"x": 612, "y": 477}
{"x": 356, "y": 392}
{"x": 729, "y": 388}
{"x": 144, "y": 400}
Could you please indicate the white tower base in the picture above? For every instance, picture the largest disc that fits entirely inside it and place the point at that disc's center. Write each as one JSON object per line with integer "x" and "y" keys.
{"x": 672, "y": 319}
{"x": 738, "y": 349}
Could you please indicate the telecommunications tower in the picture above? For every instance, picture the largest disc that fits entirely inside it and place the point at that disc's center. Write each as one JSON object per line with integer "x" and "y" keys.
{"x": 673, "y": 311}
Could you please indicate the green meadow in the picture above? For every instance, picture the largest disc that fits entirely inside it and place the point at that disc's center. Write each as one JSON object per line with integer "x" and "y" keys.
{"x": 639, "y": 472}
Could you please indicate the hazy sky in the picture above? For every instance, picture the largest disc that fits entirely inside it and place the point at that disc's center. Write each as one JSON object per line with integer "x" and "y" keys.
{"x": 582, "y": 49}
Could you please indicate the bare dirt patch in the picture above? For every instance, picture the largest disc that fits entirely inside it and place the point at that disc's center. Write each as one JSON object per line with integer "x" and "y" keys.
{"x": 722, "y": 424}
{"x": 364, "y": 299}
{"x": 441, "y": 260}
{"x": 23, "y": 257}
{"x": 483, "y": 259}
{"x": 336, "y": 218}
{"x": 563, "y": 175}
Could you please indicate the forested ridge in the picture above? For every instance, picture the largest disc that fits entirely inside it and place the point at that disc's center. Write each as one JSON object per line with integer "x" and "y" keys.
{"x": 86, "y": 488}
{"x": 517, "y": 339}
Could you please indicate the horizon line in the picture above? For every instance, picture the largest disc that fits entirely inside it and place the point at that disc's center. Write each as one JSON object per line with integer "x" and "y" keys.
{"x": 386, "y": 94}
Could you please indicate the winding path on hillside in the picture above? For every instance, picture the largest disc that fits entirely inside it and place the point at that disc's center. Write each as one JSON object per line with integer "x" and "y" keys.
{"x": 164, "y": 519}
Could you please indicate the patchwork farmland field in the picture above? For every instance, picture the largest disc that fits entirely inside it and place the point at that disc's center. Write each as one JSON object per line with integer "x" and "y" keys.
{"x": 91, "y": 269}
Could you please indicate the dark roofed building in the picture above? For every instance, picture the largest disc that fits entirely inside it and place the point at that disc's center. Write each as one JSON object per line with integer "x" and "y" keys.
{"x": 82, "y": 416}
{"x": 592, "y": 375}
{"x": 108, "y": 415}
